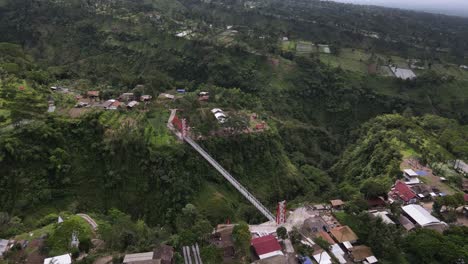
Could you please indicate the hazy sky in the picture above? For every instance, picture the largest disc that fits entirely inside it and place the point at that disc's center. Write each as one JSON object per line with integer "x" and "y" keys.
{"x": 453, "y": 7}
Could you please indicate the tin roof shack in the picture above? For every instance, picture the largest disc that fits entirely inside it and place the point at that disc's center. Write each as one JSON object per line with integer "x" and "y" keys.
{"x": 132, "y": 104}
{"x": 266, "y": 247}
{"x": 92, "y": 94}
{"x": 344, "y": 234}
{"x": 422, "y": 218}
{"x": 337, "y": 204}
{"x": 62, "y": 259}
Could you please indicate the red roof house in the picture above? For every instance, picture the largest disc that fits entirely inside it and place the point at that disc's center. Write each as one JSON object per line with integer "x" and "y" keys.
{"x": 266, "y": 246}
{"x": 403, "y": 192}
{"x": 465, "y": 196}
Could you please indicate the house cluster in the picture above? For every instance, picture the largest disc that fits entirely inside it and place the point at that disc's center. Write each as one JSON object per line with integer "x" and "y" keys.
{"x": 343, "y": 241}
{"x": 312, "y": 222}
{"x": 126, "y": 100}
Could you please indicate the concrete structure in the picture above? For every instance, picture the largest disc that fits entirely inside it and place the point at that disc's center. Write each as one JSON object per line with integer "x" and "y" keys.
{"x": 62, "y": 259}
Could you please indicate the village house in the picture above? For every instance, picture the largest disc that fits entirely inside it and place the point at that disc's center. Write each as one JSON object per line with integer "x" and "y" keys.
{"x": 363, "y": 254}
{"x": 62, "y": 259}
{"x": 132, "y": 104}
{"x": 125, "y": 97}
{"x": 203, "y": 96}
{"x": 92, "y": 94}
{"x": 411, "y": 177}
{"x": 423, "y": 191}
{"x": 403, "y": 193}
{"x": 266, "y": 247}
{"x": 344, "y": 234}
{"x": 422, "y": 218}
{"x": 166, "y": 96}
{"x": 337, "y": 204}
{"x": 146, "y": 98}
{"x": 162, "y": 254}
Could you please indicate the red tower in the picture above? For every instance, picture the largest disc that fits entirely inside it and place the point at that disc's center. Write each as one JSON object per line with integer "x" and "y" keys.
{"x": 281, "y": 213}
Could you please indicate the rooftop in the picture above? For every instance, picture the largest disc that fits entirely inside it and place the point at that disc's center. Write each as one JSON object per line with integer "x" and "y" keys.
{"x": 411, "y": 173}
{"x": 343, "y": 234}
{"x": 62, "y": 259}
{"x": 265, "y": 245}
{"x": 360, "y": 253}
{"x": 130, "y": 258}
{"x": 323, "y": 258}
{"x": 420, "y": 215}
{"x": 404, "y": 191}
{"x": 405, "y": 74}
{"x": 336, "y": 203}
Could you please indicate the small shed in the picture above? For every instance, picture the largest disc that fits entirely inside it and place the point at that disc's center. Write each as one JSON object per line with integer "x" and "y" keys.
{"x": 93, "y": 94}
{"x": 62, "y": 259}
{"x": 337, "y": 204}
{"x": 344, "y": 234}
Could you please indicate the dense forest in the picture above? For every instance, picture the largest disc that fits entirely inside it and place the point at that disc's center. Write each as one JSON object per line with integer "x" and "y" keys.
{"x": 332, "y": 132}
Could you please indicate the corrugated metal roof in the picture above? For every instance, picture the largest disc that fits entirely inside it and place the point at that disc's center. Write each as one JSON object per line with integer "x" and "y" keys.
{"x": 266, "y": 244}
{"x": 420, "y": 215}
{"x": 62, "y": 259}
{"x": 138, "y": 257}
